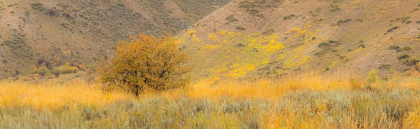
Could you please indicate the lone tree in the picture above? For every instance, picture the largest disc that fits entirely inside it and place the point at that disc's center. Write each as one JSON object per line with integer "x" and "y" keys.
{"x": 145, "y": 63}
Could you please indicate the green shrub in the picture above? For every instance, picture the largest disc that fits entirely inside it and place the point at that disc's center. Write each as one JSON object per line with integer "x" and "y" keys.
{"x": 385, "y": 66}
{"x": 394, "y": 47}
{"x": 41, "y": 70}
{"x": 318, "y": 9}
{"x": 372, "y": 76}
{"x": 403, "y": 56}
{"x": 231, "y": 18}
{"x": 253, "y": 12}
{"x": 406, "y": 49}
{"x": 38, "y": 6}
{"x": 343, "y": 21}
{"x": 324, "y": 44}
{"x": 67, "y": 68}
{"x": 392, "y": 29}
{"x": 289, "y": 16}
{"x": 240, "y": 28}
{"x": 334, "y": 7}
{"x": 411, "y": 62}
{"x": 269, "y": 32}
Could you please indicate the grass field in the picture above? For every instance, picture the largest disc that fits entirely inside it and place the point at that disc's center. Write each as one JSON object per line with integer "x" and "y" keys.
{"x": 307, "y": 101}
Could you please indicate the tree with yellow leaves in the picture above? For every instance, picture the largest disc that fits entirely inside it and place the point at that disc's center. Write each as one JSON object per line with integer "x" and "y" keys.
{"x": 146, "y": 63}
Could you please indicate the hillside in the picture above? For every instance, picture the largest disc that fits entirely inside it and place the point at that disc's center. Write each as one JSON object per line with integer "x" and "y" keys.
{"x": 82, "y": 31}
{"x": 272, "y": 38}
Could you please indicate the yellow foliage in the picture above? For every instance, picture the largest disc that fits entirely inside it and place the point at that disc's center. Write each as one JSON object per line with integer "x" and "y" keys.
{"x": 146, "y": 63}
{"x": 213, "y": 37}
{"x": 236, "y": 51}
{"x": 240, "y": 70}
{"x": 66, "y": 68}
{"x": 413, "y": 119}
{"x": 54, "y": 96}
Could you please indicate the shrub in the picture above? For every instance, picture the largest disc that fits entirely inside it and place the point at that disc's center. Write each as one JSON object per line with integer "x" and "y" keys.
{"x": 38, "y": 6}
{"x": 146, "y": 63}
{"x": 42, "y": 70}
{"x": 392, "y": 29}
{"x": 343, "y": 21}
{"x": 56, "y": 73}
{"x": 372, "y": 76}
{"x": 268, "y": 32}
{"x": 53, "y": 12}
{"x": 240, "y": 28}
{"x": 231, "y": 18}
{"x": 67, "y": 68}
{"x": 403, "y": 56}
{"x": 385, "y": 66}
{"x": 394, "y": 47}
{"x": 334, "y": 7}
{"x": 324, "y": 44}
{"x": 289, "y": 16}
{"x": 411, "y": 62}
{"x": 406, "y": 49}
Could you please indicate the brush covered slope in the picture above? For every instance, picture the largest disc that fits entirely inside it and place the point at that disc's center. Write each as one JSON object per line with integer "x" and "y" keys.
{"x": 272, "y": 38}
{"x": 80, "y": 31}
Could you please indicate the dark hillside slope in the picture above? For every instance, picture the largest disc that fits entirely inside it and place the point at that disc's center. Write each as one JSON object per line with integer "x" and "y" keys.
{"x": 80, "y": 31}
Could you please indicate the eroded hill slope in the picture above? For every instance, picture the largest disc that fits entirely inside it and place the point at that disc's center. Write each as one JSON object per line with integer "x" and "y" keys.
{"x": 271, "y": 38}
{"x": 81, "y": 31}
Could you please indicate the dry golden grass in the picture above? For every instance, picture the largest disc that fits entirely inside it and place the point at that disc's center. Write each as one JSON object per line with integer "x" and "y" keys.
{"x": 50, "y": 95}
{"x": 306, "y": 101}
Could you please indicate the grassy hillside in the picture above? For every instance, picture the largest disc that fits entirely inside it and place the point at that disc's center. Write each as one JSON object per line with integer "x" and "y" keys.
{"x": 272, "y": 38}
{"x": 82, "y": 31}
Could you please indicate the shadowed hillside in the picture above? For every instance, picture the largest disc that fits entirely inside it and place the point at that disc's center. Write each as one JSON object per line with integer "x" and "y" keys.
{"x": 82, "y": 31}
{"x": 271, "y": 38}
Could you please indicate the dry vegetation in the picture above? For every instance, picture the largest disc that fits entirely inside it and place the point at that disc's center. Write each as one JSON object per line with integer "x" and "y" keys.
{"x": 251, "y": 60}
{"x": 307, "y": 101}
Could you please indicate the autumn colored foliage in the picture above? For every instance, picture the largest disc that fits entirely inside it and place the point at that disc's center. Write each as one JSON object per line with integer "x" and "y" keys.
{"x": 146, "y": 63}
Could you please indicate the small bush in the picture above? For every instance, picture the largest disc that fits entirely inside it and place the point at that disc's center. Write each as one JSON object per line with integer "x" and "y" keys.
{"x": 399, "y": 49}
{"x": 334, "y": 7}
{"x": 411, "y": 62}
{"x": 343, "y": 21}
{"x": 231, "y": 18}
{"x": 403, "y": 56}
{"x": 146, "y": 63}
{"x": 392, "y": 29}
{"x": 324, "y": 44}
{"x": 394, "y": 47}
{"x": 253, "y": 12}
{"x": 38, "y": 6}
{"x": 240, "y": 28}
{"x": 269, "y": 32}
{"x": 318, "y": 9}
{"x": 42, "y": 70}
{"x": 67, "y": 68}
{"x": 289, "y": 16}
{"x": 372, "y": 76}
{"x": 53, "y": 12}
{"x": 385, "y": 66}
{"x": 56, "y": 73}
{"x": 406, "y": 49}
